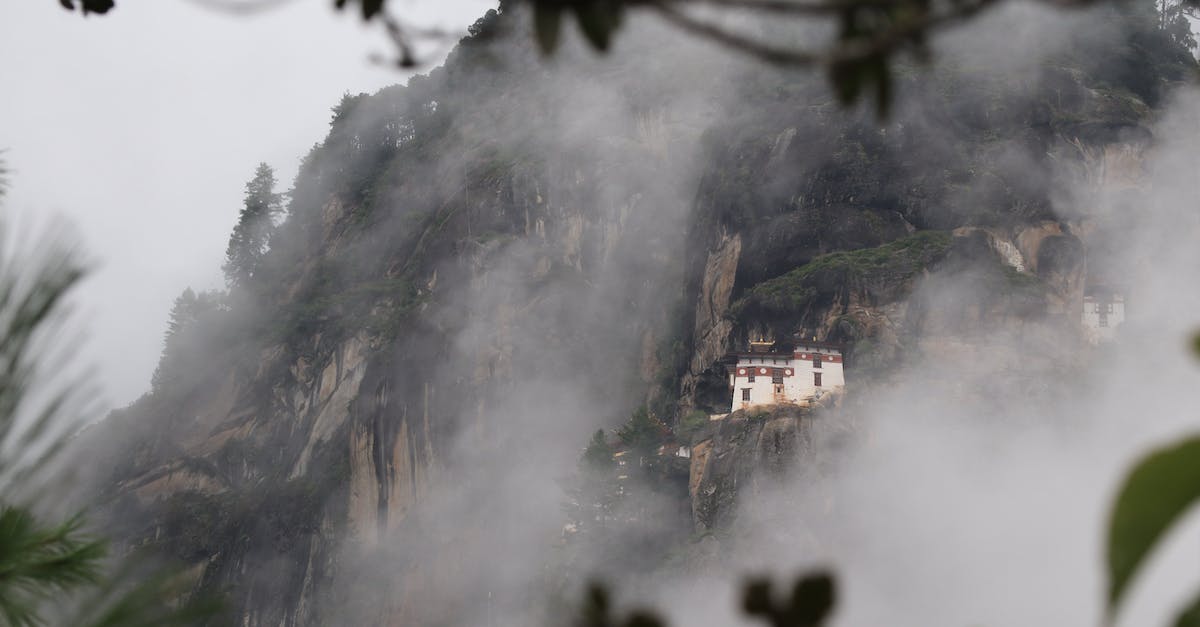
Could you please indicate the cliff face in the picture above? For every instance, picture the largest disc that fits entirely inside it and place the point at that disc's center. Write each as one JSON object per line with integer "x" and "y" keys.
{"x": 480, "y": 268}
{"x": 835, "y": 228}
{"x": 746, "y": 449}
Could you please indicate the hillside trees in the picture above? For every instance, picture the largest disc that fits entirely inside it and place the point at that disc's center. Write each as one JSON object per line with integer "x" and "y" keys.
{"x": 252, "y": 234}
{"x": 627, "y": 505}
{"x": 189, "y": 331}
{"x": 642, "y": 433}
{"x": 595, "y": 492}
{"x": 598, "y": 455}
{"x": 1174, "y": 19}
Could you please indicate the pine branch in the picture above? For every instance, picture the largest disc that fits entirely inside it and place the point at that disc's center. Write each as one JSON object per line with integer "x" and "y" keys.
{"x": 45, "y": 564}
{"x": 37, "y": 562}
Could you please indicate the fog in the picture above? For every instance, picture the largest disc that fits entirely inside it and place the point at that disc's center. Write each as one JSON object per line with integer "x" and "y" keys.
{"x": 975, "y": 488}
{"x": 979, "y": 489}
{"x": 141, "y": 128}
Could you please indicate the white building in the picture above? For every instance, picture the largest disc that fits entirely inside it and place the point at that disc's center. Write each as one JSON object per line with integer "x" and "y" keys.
{"x": 1103, "y": 312}
{"x": 766, "y": 377}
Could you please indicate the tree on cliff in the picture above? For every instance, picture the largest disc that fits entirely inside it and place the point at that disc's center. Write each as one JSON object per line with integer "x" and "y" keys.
{"x": 642, "y": 433}
{"x": 187, "y": 336}
{"x": 252, "y": 235}
{"x": 1174, "y": 19}
{"x": 598, "y": 455}
{"x": 595, "y": 491}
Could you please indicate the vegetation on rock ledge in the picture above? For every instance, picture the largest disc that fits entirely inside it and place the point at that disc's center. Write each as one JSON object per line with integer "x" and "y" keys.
{"x": 890, "y": 264}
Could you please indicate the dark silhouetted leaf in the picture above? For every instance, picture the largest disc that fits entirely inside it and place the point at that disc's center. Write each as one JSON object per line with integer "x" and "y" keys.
{"x": 756, "y": 597}
{"x": 1159, "y": 489}
{"x": 883, "y": 86}
{"x": 810, "y": 604}
{"x": 598, "y": 19}
{"x": 643, "y": 619}
{"x": 595, "y": 607}
{"x": 847, "y": 79}
{"x": 1190, "y": 616}
{"x": 812, "y": 599}
{"x": 89, "y": 6}
{"x": 597, "y": 612}
{"x": 97, "y": 6}
{"x": 547, "y": 21}
{"x": 371, "y": 8}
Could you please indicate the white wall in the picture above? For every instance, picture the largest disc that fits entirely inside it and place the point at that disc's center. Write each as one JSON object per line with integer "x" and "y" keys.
{"x": 1092, "y": 328}
{"x": 798, "y": 387}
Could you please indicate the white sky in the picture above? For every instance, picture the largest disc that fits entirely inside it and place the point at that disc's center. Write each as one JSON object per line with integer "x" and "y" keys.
{"x": 142, "y": 127}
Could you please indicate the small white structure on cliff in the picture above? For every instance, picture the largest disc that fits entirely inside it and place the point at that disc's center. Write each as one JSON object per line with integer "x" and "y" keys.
{"x": 1103, "y": 312}
{"x": 765, "y": 376}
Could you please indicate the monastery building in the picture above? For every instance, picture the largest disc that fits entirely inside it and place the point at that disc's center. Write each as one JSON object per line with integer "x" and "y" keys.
{"x": 767, "y": 375}
{"x": 1103, "y": 312}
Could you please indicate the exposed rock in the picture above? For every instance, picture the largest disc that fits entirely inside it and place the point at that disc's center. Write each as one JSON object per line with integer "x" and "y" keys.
{"x": 337, "y": 387}
{"x": 748, "y": 448}
{"x": 712, "y": 326}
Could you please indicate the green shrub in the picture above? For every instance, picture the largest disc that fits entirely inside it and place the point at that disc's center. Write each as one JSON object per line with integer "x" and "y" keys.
{"x": 892, "y": 263}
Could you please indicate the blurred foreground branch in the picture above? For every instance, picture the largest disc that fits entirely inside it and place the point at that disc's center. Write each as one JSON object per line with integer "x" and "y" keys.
{"x": 810, "y": 604}
{"x": 868, "y": 32}
{"x": 54, "y": 572}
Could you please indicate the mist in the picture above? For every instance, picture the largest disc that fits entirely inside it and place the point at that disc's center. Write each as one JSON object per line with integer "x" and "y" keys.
{"x": 141, "y": 131}
{"x": 391, "y": 424}
{"x": 979, "y": 481}
{"x": 978, "y": 487}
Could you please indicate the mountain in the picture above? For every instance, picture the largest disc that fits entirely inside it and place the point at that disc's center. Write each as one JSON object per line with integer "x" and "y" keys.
{"x": 480, "y": 268}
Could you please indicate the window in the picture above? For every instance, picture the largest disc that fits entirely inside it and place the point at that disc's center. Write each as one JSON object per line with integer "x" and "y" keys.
{"x": 777, "y": 378}
{"x": 746, "y": 394}
{"x": 817, "y": 379}
{"x": 816, "y": 361}
{"x": 750, "y": 377}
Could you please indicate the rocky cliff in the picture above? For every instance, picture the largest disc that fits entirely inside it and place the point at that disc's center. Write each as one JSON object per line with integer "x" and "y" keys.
{"x": 483, "y": 266}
